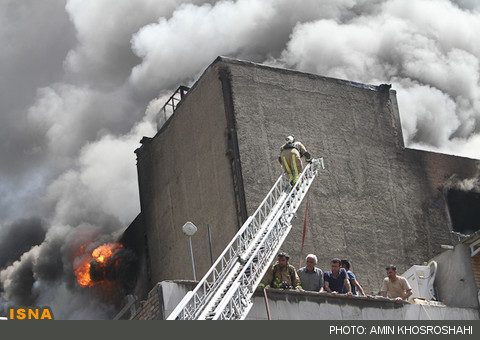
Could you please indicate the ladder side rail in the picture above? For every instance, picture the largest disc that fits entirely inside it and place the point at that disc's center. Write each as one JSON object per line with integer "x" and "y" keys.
{"x": 302, "y": 186}
{"x": 271, "y": 243}
{"x": 263, "y": 228}
{"x": 268, "y": 203}
{"x": 236, "y": 305}
{"x": 207, "y": 285}
{"x": 229, "y": 298}
{"x": 246, "y": 285}
{"x": 242, "y": 290}
{"x": 203, "y": 291}
{"x": 251, "y": 279}
{"x": 276, "y": 199}
{"x": 200, "y": 294}
{"x": 257, "y": 266}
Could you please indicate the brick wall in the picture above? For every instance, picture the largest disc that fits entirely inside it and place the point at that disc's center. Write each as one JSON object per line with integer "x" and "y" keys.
{"x": 163, "y": 299}
{"x": 151, "y": 308}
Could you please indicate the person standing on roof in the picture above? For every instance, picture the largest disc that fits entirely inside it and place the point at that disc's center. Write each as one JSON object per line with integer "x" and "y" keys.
{"x": 311, "y": 277}
{"x": 357, "y": 289}
{"x": 395, "y": 286}
{"x": 282, "y": 275}
{"x": 336, "y": 281}
{"x": 290, "y": 158}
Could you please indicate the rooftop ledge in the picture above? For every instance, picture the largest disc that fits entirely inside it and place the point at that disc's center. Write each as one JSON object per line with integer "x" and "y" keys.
{"x": 307, "y": 305}
{"x": 326, "y": 295}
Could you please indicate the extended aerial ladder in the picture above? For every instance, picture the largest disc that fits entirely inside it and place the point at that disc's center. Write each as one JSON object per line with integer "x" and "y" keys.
{"x": 225, "y": 292}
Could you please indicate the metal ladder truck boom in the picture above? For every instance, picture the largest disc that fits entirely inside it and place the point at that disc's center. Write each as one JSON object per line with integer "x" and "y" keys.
{"x": 225, "y": 292}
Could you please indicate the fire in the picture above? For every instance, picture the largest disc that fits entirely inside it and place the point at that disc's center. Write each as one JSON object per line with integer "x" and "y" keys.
{"x": 83, "y": 275}
{"x": 99, "y": 255}
{"x": 103, "y": 252}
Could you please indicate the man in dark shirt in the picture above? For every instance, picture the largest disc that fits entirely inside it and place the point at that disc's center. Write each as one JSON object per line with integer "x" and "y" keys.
{"x": 357, "y": 289}
{"x": 336, "y": 280}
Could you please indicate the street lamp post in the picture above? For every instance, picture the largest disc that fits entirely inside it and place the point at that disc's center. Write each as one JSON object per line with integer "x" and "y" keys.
{"x": 190, "y": 229}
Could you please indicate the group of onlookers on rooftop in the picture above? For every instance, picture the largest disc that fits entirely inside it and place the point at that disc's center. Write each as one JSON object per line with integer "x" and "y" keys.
{"x": 339, "y": 280}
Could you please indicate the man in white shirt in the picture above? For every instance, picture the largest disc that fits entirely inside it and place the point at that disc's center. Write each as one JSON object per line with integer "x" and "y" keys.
{"x": 395, "y": 286}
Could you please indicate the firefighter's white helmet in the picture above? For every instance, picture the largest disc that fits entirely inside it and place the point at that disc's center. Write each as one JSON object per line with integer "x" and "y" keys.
{"x": 290, "y": 139}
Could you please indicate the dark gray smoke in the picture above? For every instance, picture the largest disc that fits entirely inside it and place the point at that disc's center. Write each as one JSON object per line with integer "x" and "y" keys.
{"x": 18, "y": 279}
{"x": 82, "y": 82}
{"x": 120, "y": 268}
{"x": 18, "y": 238}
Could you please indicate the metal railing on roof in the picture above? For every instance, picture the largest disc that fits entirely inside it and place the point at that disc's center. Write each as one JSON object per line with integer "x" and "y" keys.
{"x": 170, "y": 106}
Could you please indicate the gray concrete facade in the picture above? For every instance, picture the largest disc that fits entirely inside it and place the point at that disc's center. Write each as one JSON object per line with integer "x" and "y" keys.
{"x": 216, "y": 158}
{"x": 184, "y": 174}
{"x": 377, "y": 202}
{"x": 454, "y": 280}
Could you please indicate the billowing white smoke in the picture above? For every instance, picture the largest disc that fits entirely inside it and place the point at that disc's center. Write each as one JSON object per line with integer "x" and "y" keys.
{"x": 431, "y": 60}
{"x": 81, "y": 88}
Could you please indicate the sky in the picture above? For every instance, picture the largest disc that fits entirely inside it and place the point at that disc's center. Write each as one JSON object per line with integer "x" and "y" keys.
{"x": 81, "y": 82}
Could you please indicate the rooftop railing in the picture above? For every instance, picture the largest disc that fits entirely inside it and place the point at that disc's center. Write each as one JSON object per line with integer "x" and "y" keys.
{"x": 171, "y": 105}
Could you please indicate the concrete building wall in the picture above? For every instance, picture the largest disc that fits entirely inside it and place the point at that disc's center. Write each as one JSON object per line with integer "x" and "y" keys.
{"x": 216, "y": 158}
{"x": 162, "y": 300}
{"x": 434, "y": 174}
{"x": 377, "y": 202}
{"x": 185, "y": 174}
{"x": 135, "y": 239}
{"x": 454, "y": 280}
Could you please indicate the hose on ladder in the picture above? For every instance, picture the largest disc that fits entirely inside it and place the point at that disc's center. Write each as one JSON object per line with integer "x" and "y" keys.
{"x": 304, "y": 229}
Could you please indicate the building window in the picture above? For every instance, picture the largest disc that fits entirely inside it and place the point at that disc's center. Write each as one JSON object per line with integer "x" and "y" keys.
{"x": 464, "y": 208}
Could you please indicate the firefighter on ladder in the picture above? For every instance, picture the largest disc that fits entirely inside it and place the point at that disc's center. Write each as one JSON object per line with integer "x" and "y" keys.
{"x": 290, "y": 158}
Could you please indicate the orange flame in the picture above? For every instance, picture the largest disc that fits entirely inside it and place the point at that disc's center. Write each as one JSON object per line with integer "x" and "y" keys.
{"x": 100, "y": 255}
{"x": 103, "y": 252}
{"x": 83, "y": 275}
